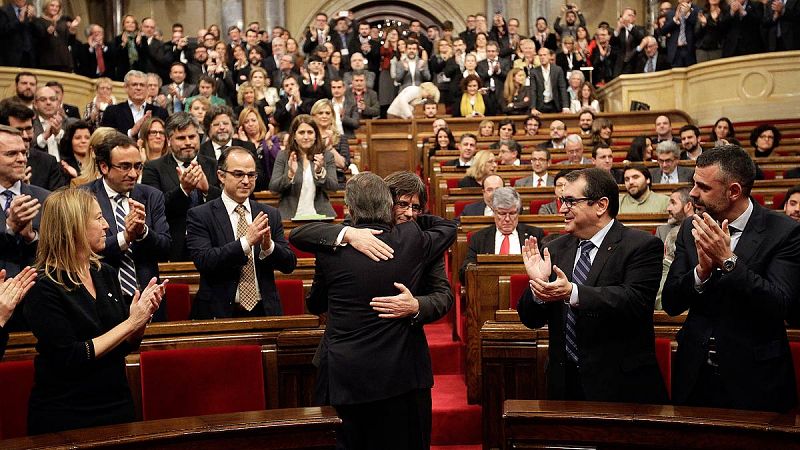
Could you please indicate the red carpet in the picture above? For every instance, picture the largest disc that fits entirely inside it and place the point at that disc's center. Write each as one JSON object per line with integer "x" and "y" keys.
{"x": 456, "y": 425}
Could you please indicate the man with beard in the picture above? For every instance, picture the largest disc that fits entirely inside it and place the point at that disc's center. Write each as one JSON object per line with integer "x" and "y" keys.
{"x": 640, "y": 199}
{"x": 681, "y": 206}
{"x": 363, "y": 43}
{"x": 690, "y": 142}
{"x": 25, "y": 85}
{"x": 573, "y": 18}
{"x": 413, "y": 70}
{"x": 585, "y": 121}
{"x": 186, "y": 178}
{"x": 558, "y": 133}
{"x": 791, "y": 203}
{"x": 218, "y": 123}
{"x": 735, "y": 271}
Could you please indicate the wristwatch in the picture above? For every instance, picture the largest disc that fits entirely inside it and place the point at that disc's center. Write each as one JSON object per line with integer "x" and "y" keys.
{"x": 729, "y": 264}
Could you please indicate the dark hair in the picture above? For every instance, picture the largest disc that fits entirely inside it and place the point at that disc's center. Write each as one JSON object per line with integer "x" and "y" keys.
{"x": 689, "y": 127}
{"x": 25, "y": 73}
{"x": 561, "y": 173}
{"x": 451, "y": 140}
{"x": 467, "y": 80}
{"x": 319, "y": 146}
{"x": 178, "y": 63}
{"x": 102, "y": 152}
{"x": 13, "y": 107}
{"x": 599, "y": 184}
{"x": 636, "y": 151}
{"x": 587, "y": 111}
{"x": 217, "y": 110}
{"x": 208, "y": 80}
{"x": 512, "y": 145}
{"x": 547, "y": 152}
{"x": 731, "y": 131}
{"x": 508, "y": 122}
{"x": 313, "y": 58}
{"x": 643, "y": 170}
{"x": 792, "y": 190}
{"x": 65, "y": 145}
{"x": 180, "y": 121}
{"x": 683, "y": 192}
{"x": 531, "y": 116}
{"x": 369, "y": 199}
{"x": 597, "y": 147}
{"x": 734, "y": 163}
{"x": 222, "y": 163}
{"x": 406, "y": 183}
{"x": 54, "y": 83}
{"x": 468, "y": 135}
{"x": 762, "y": 128}
{"x": 541, "y": 18}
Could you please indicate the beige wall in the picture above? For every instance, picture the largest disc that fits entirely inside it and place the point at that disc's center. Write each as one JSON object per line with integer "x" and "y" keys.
{"x": 193, "y": 14}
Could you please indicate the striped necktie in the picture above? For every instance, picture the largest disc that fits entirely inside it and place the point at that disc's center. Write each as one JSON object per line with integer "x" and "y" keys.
{"x": 579, "y": 276}
{"x": 9, "y": 195}
{"x": 127, "y": 269}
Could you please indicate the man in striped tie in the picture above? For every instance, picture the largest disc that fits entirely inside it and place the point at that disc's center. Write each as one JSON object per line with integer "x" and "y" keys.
{"x": 595, "y": 288}
{"x": 138, "y": 234}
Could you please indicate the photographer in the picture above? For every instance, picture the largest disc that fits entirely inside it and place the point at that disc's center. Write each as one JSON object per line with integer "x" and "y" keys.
{"x": 573, "y": 18}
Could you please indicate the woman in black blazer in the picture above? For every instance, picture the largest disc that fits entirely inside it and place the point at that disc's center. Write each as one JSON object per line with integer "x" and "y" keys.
{"x": 84, "y": 328}
{"x": 55, "y": 34}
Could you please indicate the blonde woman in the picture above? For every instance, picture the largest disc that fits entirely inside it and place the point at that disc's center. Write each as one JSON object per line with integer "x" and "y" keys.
{"x": 266, "y": 96}
{"x": 198, "y": 108}
{"x": 102, "y": 98}
{"x": 329, "y": 126}
{"x": 402, "y": 106}
{"x": 245, "y": 97}
{"x": 252, "y": 129}
{"x": 516, "y": 95}
{"x": 152, "y": 139}
{"x": 55, "y": 34}
{"x": 484, "y": 163}
{"x": 83, "y": 326}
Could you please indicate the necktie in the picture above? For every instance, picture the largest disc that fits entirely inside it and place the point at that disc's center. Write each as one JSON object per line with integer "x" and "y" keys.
{"x": 127, "y": 270}
{"x": 195, "y": 198}
{"x": 539, "y": 182}
{"x": 101, "y": 63}
{"x": 248, "y": 297}
{"x": 682, "y": 33}
{"x": 579, "y": 276}
{"x": 665, "y": 178}
{"x": 9, "y": 196}
{"x": 505, "y": 246}
{"x": 651, "y": 65}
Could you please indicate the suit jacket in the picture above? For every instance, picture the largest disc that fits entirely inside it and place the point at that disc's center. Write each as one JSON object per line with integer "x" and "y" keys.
{"x": 262, "y": 182}
{"x": 403, "y": 75}
{"x": 614, "y": 322}
{"x": 548, "y": 208}
{"x": 605, "y": 68}
{"x": 631, "y": 39}
{"x": 788, "y": 23}
{"x": 284, "y": 118}
{"x": 744, "y": 33}
{"x": 219, "y": 258}
{"x": 521, "y": 102}
{"x": 372, "y": 107}
{"x": 474, "y": 209}
{"x": 189, "y": 90}
{"x": 350, "y": 116}
{"x": 147, "y": 252}
{"x": 373, "y": 57}
{"x": 365, "y": 358}
{"x": 674, "y": 31}
{"x": 45, "y": 170}
{"x": 161, "y": 174}
{"x": 663, "y": 230}
{"x": 120, "y": 118}
{"x": 38, "y": 129}
{"x": 558, "y": 87}
{"x": 641, "y": 63}
{"x": 685, "y": 174}
{"x": 482, "y": 242}
{"x": 498, "y": 77}
{"x": 563, "y": 62}
{"x": 18, "y": 38}
{"x": 743, "y": 310}
{"x": 290, "y": 190}
{"x": 528, "y": 181}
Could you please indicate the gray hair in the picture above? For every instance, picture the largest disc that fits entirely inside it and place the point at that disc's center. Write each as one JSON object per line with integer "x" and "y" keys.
{"x": 181, "y": 121}
{"x": 134, "y": 74}
{"x": 573, "y": 139}
{"x": 668, "y": 147}
{"x": 368, "y": 198}
{"x": 505, "y": 198}
{"x": 577, "y": 74}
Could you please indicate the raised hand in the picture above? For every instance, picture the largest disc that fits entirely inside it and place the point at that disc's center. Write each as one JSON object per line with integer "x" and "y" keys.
{"x": 13, "y": 290}
{"x": 537, "y": 265}
{"x": 258, "y": 230}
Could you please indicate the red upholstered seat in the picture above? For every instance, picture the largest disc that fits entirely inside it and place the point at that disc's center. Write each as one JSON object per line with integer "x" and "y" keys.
{"x": 292, "y": 296}
{"x": 519, "y": 283}
{"x": 452, "y": 183}
{"x": 200, "y": 381}
{"x": 537, "y": 203}
{"x": 769, "y": 174}
{"x": 759, "y": 198}
{"x": 777, "y": 200}
{"x": 299, "y": 253}
{"x": 513, "y": 180}
{"x": 664, "y": 358}
{"x": 458, "y": 207}
{"x": 339, "y": 208}
{"x": 179, "y": 303}
{"x": 17, "y": 379}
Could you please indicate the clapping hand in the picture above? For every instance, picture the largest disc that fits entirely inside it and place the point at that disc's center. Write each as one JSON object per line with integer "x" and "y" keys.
{"x": 537, "y": 265}
{"x": 713, "y": 243}
{"x": 258, "y": 232}
{"x": 134, "y": 221}
{"x": 146, "y": 303}
{"x": 557, "y": 290}
{"x": 13, "y": 290}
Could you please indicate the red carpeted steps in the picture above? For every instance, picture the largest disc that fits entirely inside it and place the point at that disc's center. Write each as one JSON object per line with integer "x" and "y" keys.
{"x": 456, "y": 425}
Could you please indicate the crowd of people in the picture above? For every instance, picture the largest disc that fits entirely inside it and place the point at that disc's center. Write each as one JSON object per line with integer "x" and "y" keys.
{"x": 168, "y": 175}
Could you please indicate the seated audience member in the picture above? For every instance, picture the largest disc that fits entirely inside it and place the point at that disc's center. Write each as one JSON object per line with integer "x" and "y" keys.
{"x": 486, "y": 128}
{"x": 83, "y": 327}
{"x": 532, "y": 125}
{"x": 253, "y": 130}
{"x": 237, "y": 280}
{"x": 585, "y": 122}
{"x": 681, "y": 206}
{"x": 74, "y": 148}
{"x": 472, "y": 102}
{"x": 198, "y": 108}
{"x": 304, "y": 173}
{"x": 506, "y": 130}
{"x": 483, "y": 164}
{"x": 723, "y": 133}
{"x": 669, "y": 172}
{"x": 128, "y": 117}
{"x": 573, "y": 148}
{"x": 466, "y": 148}
{"x": 558, "y": 132}
{"x": 402, "y": 106}
{"x": 517, "y": 96}
{"x": 102, "y": 99}
{"x": 219, "y": 128}
{"x": 664, "y": 131}
{"x": 559, "y": 182}
{"x": 12, "y": 290}
{"x": 50, "y": 122}
{"x": 437, "y": 124}
{"x": 508, "y": 152}
{"x": 483, "y": 207}
{"x": 641, "y": 150}
{"x": 639, "y": 198}
{"x": 540, "y": 162}
{"x": 207, "y": 87}
{"x": 602, "y": 131}
{"x": 650, "y": 60}
{"x": 152, "y": 140}
{"x": 365, "y": 99}
{"x": 586, "y": 100}
{"x": 70, "y": 111}
{"x": 690, "y": 142}
{"x": 328, "y": 121}
{"x": 603, "y": 158}
{"x": 764, "y": 139}
{"x": 507, "y": 235}
{"x": 791, "y": 203}
{"x": 185, "y": 177}
{"x": 442, "y": 140}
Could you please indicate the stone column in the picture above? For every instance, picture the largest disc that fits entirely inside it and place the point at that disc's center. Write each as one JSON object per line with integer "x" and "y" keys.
{"x": 650, "y": 15}
{"x": 116, "y": 17}
{"x": 232, "y": 14}
{"x": 537, "y": 8}
{"x": 275, "y": 14}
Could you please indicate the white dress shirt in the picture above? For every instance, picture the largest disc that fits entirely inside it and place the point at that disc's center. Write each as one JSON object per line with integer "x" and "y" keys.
{"x": 513, "y": 242}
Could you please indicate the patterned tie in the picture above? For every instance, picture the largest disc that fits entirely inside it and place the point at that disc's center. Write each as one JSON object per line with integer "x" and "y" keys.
{"x": 505, "y": 246}
{"x": 101, "y": 63}
{"x": 579, "y": 276}
{"x": 9, "y": 196}
{"x": 682, "y": 33}
{"x": 651, "y": 63}
{"x": 539, "y": 182}
{"x": 248, "y": 297}
{"x": 127, "y": 270}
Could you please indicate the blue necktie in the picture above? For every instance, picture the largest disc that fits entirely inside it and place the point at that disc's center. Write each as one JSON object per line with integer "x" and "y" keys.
{"x": 579, "y": 276}
{"x": 9, "y": 196}
{"x": 127, "y": 269}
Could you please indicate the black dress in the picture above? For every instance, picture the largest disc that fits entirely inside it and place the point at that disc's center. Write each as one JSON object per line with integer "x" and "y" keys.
{"x": 73, "y": 389}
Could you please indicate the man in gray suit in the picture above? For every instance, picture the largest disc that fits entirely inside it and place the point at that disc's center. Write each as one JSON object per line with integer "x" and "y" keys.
{"x": 50, "y": 122}
{"x": 540, "y": 162}
{"x": 668, "y": 154}
{"x": 551, "y": 97}
{"x": 681, "y": 206}
{"x": 412, "y": 70}
{"x": 366, "y": 99}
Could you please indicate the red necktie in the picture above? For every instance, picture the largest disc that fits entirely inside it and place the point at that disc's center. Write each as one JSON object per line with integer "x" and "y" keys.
{"x": 539, "y": 182}
{"x": 101, "y": 63}
{"x": 504, "y": 246}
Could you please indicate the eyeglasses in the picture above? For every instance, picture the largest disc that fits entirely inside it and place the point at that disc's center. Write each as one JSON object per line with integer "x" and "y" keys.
{"x": 506, "y": 215}
{"x": 156, "y": 132}
{"x": 126, "y": 166}
{"x": 238, "y": 174}
{"x": 570, "y": 202}
{"x": 405, "y": 205}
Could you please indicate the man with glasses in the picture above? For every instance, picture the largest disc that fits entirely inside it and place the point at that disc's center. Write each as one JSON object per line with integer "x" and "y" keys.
{"x": 138, "y": 234}
{"x": 220, "y": 127}
{"x": 669, "y": 172}
{"x": 540, "y": 162}
{"x": 506, "y": 236}
{"x": 558, "y": 130}
{"x": 128, "y": 117}
{"x": 595, "y": 288}
{"x": 573, "y": 147}
{"x": 237, "y": 243}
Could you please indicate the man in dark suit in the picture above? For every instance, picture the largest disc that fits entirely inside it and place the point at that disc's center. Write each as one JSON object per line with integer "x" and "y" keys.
{"x": 739, "y": 282}
{"x": 95, "y": 58}
{"x": 484, "y": 207}
{"x": 379, "y": 377}
{"x": 17, "y": 31}
{"x": 596, "y": 296}
{"x": 668, "y": 154}
{"x": 507, "y": 235}
{"x": 291, "y": 104}
{"x": 186, "y": 178}
{"x": 648, "y": 60}
{"x": 138, "y": 234}
{"x": 782, "y": 19}
{"x": 551, "y": 97}
{"x": 626, "y": 37}
{"x": 237, "y": 244}
{"x": 466, "y": 148}
{"x": 493, "y": 71}
{"x": 219, "y": 126}
{"x": 50, "y": 122}
{"x": 70, "y": 111}
{"x": 744, "y": 29}
{"x": 127, "y": 117}
{"x": 679, "y": 24}
{"x": 364, "y": 44}
{"x": 179, "y": 89}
